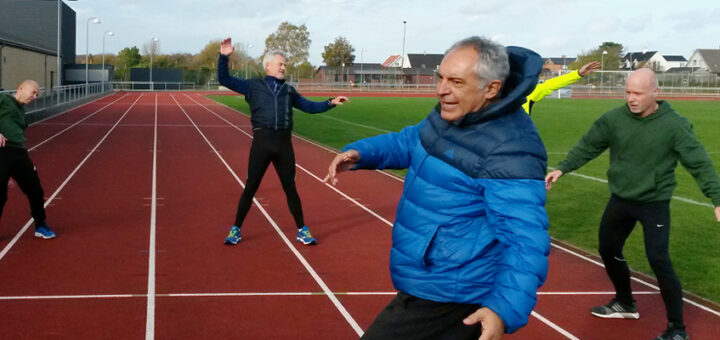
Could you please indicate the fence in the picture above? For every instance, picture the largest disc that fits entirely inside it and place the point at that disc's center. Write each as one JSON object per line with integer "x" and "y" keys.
{"x": 61, "y": 95}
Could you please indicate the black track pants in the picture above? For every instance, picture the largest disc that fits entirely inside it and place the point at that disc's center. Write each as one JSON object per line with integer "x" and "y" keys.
{"x": 617, "y": 222}
{"x": 271, "y": 146}
{"x": 15, "y": 163}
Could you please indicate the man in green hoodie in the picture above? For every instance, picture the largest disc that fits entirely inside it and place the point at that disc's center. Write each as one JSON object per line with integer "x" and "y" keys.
{"x": 15, "y": 162}
{"x": 646, "y": 138}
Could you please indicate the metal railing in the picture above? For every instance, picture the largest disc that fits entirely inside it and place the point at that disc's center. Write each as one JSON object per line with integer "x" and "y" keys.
{"x": 60, "y": 95}
{"x": 154, "y": 86}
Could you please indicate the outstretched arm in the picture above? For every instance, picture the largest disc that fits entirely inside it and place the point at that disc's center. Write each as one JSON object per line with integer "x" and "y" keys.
{"x": 236, "y": 84}
{"x": 310, "y": 106}
{"x": 589, "y": 68}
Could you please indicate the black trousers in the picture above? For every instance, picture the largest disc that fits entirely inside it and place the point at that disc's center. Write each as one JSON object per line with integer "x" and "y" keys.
{"x": 271, "y": 146}
{"x": 15, "y": 163}
{"x": 617, "y": 222}
{"x": 410, "y": 317}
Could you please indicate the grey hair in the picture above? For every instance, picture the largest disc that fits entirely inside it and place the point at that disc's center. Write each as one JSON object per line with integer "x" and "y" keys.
{"x": 270, "y": 55}
{"x": 492, "y": 62}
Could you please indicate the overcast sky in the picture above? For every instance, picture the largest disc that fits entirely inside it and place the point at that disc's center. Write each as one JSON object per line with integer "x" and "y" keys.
{"x": 551, "y": 28}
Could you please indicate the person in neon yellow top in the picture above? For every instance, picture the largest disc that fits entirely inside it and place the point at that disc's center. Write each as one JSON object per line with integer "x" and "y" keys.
{"x": 552, "y": 84}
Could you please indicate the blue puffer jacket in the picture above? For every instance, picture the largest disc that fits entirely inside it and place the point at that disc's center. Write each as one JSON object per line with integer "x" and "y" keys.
{"x": 471, "y": 225}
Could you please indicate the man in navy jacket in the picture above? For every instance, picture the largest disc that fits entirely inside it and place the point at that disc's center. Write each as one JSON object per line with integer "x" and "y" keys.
{"x": 271, "y": 103}
{"x": 470, "y": 241}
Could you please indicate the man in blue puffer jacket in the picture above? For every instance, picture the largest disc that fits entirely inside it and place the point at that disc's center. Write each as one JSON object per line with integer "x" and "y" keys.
{"x": 470, "y": 241}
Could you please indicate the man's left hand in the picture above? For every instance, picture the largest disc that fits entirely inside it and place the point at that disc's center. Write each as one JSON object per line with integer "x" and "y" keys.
{"x": 493, "y": 327}
{"x": 717, "y": 213}
{"x": 339, "y": 100}
{"x": 589, "y": 68}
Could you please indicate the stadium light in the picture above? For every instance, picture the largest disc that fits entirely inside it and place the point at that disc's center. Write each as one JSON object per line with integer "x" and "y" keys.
{"x": 106, "y": 34}
{"x": 152, "y": 50}
{"x": 94, "y": 20}
{"x": 602, "y": 68}
{"x": 402, "y": 56}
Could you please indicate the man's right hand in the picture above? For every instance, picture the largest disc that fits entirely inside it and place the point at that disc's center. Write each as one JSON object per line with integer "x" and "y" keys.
{"x": 342, "y": 162}
{"x": 551, "y": 178}
{"x": 2, "y": 140}
{"x": 226, "y": 47}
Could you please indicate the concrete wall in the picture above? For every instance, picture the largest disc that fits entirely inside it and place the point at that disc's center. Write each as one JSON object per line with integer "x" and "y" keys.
{"x": 19, "y": 64}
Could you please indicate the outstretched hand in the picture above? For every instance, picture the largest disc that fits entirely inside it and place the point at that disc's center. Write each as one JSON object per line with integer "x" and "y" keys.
{"x": 717, "y": 213}
{"x": 339, "y": 100}
{"x": 589, "y": 68}
{"x": 493, "y": 327}
{"x": 226, "y": 47}
{"x": 341, "y": 162}
{"x": 551, "y": 178}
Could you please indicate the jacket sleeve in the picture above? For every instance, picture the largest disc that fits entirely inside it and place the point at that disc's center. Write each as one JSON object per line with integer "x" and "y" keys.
{"x": 388, "y": 151}
{"x": 697, "y": 162}
{"x": 591, "y": 145}
{"x": 225, "y": 79}
{"x": 307, "y": 105}
{"x": 516, "y": 209}
{"x": 543, "y": 90}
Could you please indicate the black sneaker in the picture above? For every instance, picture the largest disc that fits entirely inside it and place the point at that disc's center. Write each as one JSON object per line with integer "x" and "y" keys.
{"x": 616, "y": 310}
{"x": 673, "y": 333}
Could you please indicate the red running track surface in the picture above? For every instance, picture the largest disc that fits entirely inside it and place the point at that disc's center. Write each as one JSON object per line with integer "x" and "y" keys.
{"x": 141, "y": 189}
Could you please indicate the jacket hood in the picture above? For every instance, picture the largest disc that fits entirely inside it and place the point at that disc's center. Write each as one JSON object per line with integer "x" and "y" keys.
{"x": 525, "y": 66}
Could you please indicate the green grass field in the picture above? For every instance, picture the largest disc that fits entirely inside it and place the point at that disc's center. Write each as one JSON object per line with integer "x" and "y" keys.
{"x": 575, "y": 204}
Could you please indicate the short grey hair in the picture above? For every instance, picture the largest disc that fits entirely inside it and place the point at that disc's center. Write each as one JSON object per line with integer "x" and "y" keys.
{"x": 492, "y": 62}
{"x": 270, "y": 55}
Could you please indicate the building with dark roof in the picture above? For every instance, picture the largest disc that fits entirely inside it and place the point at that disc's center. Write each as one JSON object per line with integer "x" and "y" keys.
{"x": 707, "y": 60}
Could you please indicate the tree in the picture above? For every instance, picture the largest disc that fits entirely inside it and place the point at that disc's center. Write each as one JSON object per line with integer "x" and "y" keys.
{"x": 338, "y": 52}
{"x": 293, "y": 41}
{"x": 611, "y": 60}
{"x": 127, "y": 58}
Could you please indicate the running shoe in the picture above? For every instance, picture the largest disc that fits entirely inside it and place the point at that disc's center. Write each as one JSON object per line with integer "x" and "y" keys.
{"x": 44, "y": 231}
{"x": 616, "y": 310}
{"x": 673, "y": 333}
{"x": 234, "y": 236}
{"x": 304, "y": 237}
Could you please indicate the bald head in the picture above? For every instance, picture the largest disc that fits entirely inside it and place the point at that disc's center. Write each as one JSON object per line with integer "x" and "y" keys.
{"x": 27, "y": 92}
{"x": 641, "y": 90}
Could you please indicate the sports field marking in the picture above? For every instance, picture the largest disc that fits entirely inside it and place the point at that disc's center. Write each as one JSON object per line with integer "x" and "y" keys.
{"x": 57, "y": 191}
{"x": 554, "y": 326}
{"x": 150, "y": 320}
{"x": 682, "y": 199}
{"x": 289, "y": 244}
{"x": 355, "y": 124}
{"x": 73, "y": 125}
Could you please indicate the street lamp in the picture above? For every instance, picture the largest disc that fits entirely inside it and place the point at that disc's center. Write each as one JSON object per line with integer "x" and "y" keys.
{"x": 602, "y": 69}
{"x": 362, "y": 75}
{"x": 247, "y": 54}
{"x": 94, "y": 20}
{"x": 402, "y": 56}
{"x": 152, "y": 50}
{"x": 106, "y": 34}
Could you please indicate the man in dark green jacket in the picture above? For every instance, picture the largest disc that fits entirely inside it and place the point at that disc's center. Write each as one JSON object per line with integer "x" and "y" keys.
{"x": 646, "y": 138}
{"x": 15, "y": 162}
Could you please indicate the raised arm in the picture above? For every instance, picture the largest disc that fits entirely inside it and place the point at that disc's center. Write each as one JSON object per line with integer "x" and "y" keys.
{"x": 236, "y": 84}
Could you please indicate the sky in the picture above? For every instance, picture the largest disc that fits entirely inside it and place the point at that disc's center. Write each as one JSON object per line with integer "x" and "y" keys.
{"x": 375, "y": 28}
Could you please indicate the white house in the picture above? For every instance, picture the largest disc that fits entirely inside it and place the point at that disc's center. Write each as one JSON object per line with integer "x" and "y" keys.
{"x": 662, "y": 63}
{"x": 707, "y": 60}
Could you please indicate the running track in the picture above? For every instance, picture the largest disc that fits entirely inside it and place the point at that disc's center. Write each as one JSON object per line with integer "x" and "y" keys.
{"x": 141, "y": 189}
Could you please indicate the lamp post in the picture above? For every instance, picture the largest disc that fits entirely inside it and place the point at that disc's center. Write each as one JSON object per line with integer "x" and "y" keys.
{"x": 152, "y": 50}
{"x": 106, "y": 34}
{"x": 402, "y": 56}
{"x": 362, "y": 75}
{"x": 247, "y": 53}
{"x": 602, "y": 68}
{"x": 94, "y": 20}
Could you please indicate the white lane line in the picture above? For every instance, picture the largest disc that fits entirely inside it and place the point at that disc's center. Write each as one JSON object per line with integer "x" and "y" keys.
{"x": 554, "y": 326}
{"x": 679, "y": 198}
{"x": 597, "y": 293}
{"x": 57, "y": 191}
{"x": 150, "y": 321}
{"x": 289, "y": 244}
{"x": 71, "y": 297}
{"x": 73, "y": 125}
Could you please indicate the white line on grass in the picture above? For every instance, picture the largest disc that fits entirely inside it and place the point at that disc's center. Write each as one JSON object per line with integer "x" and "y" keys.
{"x": 57, "y": 191}
{"x": 150, "y": 320}
{"x": 289, "y": 244}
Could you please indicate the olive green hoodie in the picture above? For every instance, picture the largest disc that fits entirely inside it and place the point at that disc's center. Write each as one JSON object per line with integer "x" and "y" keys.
{"x": 644, "y": 153}
{"x": 12, "y": 121}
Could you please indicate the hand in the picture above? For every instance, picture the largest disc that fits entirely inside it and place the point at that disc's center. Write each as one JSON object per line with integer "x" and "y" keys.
{"x": 717, "y": 213}
{"x": 589, "y": 68}
{"x": 2, "y": 140}
{"x": 493, "y": 327}
{"x": 341, "y": 162}
{"x": 339, "y": 100}
{"x": 551, "y": 178}
{"x": 226, "y": 47}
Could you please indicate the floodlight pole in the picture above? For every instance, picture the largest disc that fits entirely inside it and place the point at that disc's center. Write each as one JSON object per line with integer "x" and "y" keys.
{"x": 152, "y": 50}
{"x": 402, "y": 57}
{"x": 109, "y": 34}
{"x": 94, "y": 20}
{"x": 602, "y": 69}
